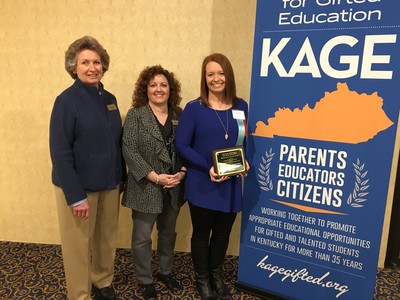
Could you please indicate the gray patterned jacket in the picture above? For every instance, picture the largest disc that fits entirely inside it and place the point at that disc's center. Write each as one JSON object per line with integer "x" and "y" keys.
{"x": 144, "y": 150}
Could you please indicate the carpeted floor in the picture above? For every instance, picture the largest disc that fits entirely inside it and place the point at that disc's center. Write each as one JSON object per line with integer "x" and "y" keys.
{"x": 35, "y": 271}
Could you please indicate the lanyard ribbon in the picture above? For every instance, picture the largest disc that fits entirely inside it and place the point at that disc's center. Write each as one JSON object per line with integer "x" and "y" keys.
{"x": 241, "y": 132}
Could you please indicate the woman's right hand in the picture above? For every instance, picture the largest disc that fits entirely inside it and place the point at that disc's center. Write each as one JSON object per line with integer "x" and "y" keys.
{"x": 173, "y": 180}
{"x": 81, "y": 210}
{"x": 165, "y": 180}
{"x": 214, "y": 176}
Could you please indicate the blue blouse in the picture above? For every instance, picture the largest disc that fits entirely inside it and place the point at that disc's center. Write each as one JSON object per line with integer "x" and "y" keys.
{"x": 199, "y": 132}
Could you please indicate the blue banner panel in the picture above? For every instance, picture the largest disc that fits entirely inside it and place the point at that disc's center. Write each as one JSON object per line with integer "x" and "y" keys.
{"x": 324, "y": 109}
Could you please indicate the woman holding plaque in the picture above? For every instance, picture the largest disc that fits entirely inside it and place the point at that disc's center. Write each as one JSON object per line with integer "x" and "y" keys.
{"x": 215, "y": 120}
{"x": 154, "y": 189}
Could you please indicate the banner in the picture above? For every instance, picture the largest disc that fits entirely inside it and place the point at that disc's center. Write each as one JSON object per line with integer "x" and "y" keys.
{"x": 324, "y": 108}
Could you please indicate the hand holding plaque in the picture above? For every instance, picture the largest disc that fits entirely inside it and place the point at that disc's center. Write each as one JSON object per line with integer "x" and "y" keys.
{"x": 229, "y": 161}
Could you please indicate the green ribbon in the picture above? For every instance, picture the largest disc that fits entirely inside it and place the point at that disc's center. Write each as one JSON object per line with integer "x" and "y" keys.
{"x": 241, "y": 132}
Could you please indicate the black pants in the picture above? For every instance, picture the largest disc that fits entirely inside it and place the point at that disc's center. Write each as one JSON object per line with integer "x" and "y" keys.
{"x": 211, "y": 229}
{"x": 206, "y": 221}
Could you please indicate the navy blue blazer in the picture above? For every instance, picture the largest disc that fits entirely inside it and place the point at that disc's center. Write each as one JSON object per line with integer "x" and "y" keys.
{"x": 85, "y": 141}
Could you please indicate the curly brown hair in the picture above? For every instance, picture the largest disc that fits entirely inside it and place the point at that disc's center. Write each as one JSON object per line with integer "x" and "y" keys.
{"x": 84, "y": 43}
{"x": 140, "y": 98}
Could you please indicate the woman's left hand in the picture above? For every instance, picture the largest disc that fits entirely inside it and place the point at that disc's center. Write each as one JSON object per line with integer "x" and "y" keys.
{"x": 173, "y": 180}
{"x": 247, "y": 170}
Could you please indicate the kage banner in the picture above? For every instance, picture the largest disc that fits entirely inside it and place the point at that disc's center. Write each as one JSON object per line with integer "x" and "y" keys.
{"x": 324, "y": 109}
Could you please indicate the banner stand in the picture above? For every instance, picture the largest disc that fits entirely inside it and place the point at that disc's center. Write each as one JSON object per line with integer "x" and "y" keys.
{"x": 392, "y": 259}
{"x": 258, "y": 293}
{"x": 322, "y": 127}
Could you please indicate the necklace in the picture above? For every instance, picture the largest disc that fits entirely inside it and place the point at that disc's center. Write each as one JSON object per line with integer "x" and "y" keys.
{"x": 227, "y": 124}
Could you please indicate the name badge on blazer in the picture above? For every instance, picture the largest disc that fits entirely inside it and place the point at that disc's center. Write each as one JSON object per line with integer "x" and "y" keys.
{"x": 111, "y": 107}
{"x": 238, "y": 114}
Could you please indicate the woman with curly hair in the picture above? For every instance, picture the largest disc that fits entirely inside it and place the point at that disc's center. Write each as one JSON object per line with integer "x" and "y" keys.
{"x": 154, "y": 189}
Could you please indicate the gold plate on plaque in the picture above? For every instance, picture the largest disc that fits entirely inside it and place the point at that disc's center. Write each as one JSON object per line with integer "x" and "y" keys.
{"x": 229, "y": 161}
